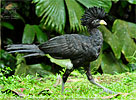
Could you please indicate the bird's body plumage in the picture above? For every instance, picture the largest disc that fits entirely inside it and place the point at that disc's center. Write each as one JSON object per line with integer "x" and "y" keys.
{"x": 80, "y": 49}
{"x": 77, "y": 48}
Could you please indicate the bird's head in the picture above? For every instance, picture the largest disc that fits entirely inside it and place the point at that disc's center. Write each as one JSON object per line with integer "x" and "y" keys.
{"x": 93, "y": 17}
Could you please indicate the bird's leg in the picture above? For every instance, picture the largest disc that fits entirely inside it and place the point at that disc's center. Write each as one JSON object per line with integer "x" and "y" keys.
{"x": 90, "y": 78}
{"x": 65, "y": 76}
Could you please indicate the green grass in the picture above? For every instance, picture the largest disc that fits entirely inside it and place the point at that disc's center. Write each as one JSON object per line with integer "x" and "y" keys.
{"x": 77, "y": 87}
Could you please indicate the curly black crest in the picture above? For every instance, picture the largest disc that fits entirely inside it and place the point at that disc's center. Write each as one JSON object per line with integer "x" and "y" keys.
{"x": 91, "y": 14}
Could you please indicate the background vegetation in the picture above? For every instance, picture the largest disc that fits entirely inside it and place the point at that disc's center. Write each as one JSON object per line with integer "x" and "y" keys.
{"x": 36, "y": 21}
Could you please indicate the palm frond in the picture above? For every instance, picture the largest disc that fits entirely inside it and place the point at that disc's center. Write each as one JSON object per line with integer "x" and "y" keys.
{"x": 52, "y": 13}
{"x": 106, "y": 4}
{"x": 75, "y": 12}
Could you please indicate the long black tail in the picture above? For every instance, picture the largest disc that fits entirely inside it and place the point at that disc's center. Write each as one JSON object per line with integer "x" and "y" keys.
{"x": 32, "y": 49}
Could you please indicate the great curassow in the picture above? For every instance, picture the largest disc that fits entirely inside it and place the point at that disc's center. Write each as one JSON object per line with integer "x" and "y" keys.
{"x": 80, "y": 49}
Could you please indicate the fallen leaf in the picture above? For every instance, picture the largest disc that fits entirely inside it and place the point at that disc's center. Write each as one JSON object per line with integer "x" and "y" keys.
{"x": 22, "y": 89}
{"x": 116, "y": 95}
{"x": 39, "y": 79}
{"x": 45, "y": 92}
{"x": 14, "y": 92}
{"x": 97, "y": 79}
{"x": 74, "y": 80}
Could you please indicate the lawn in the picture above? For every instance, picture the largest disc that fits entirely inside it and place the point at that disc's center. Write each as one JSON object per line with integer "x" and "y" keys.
{"x": 77, "y": 86}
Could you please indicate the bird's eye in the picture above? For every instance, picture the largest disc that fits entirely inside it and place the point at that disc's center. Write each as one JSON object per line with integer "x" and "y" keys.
{"x": 94, "y": 22}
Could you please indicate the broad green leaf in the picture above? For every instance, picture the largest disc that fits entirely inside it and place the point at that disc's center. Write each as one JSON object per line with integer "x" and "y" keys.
{"x": 35, "y": 1}
{"x": 112, "y": 40}
{"x": 61, "y": 62}
{"x": 7, "y": 60}
{"x": 121, "y": 41}
{"x": 75, "y": 11}
{"x": 24, "y": 69}
{"x": 42, "y": 37}
{"x": 21, "y": 68}
{"x": 125, "y": 27}
{"x": 132, "y": 1}
{"x": 53, "y": 13}
{"x": 106, "y": 4}
{"x": 7, "y": 25}
{"x": 115, "y": 0}
{"x": 29, "y": 34}
{"x": 110, "y": 65}
{"x": 96, "y": 64}
{"x": 37, "y": 69}
{"x": 125, "y": 31}
{"x": 131, "y": 29}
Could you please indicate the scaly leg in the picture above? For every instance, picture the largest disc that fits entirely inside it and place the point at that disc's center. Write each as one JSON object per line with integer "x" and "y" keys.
{"x": 65, "y": 76}
{"x": 90, "y": 78}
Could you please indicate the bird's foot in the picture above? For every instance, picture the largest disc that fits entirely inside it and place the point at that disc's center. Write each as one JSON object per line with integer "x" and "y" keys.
{"x": 61, "y": 93}
{"x": 109, "y": 91}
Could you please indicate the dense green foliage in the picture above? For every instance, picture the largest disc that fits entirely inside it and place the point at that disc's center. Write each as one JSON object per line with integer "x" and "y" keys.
{"x": 36, "y": 21}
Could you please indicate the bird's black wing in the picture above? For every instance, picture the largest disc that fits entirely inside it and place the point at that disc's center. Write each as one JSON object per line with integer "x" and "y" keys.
{"x": 70, "y": 46}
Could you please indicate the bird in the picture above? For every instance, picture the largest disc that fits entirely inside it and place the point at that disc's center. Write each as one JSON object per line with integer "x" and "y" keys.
{"x": 80, "y": 49}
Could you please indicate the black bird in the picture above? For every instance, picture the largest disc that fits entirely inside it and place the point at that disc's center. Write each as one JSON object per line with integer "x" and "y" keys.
{"x": 80, "y": 49}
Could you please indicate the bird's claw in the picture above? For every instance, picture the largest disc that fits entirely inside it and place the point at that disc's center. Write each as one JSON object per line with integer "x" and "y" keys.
{"x": 109, "y": 91}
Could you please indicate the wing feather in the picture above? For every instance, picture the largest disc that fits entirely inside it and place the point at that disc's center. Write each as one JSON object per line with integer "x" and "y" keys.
{"x": 65, "y": 46}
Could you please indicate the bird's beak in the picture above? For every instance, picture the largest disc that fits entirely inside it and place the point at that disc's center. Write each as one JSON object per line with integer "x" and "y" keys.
{"x": 102, "y": 22}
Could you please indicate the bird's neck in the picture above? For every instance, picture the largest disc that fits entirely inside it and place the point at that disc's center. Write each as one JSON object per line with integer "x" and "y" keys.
{"x": 96, "y": 37}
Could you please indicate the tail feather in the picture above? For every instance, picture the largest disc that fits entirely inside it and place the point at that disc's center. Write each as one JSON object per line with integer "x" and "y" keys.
{"x": 32, "y": 49}
{"x": 34, "y": 54}
{"x": 21, "y": 46}
{"x": 23, "y": 51}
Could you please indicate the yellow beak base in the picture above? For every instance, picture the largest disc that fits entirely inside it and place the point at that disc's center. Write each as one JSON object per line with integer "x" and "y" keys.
{"x": 102, "y": 22}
